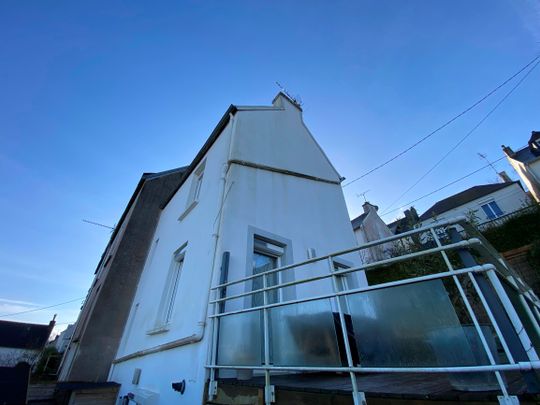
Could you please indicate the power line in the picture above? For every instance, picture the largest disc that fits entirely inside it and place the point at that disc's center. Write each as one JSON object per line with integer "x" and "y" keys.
{"x": 421, "y": 140}
{"x": 466, "y": 135}
{"x": 442, "y": 188}
{"x": 41, "y": 308}
{"x": 98, "y": 224}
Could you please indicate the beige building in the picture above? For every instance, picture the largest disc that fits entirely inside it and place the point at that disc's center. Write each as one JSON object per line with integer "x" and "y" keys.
{"x": 526, "y": 162}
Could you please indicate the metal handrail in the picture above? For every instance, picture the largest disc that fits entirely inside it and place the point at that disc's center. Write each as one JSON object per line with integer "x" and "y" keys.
{"x": 494, "y": 266}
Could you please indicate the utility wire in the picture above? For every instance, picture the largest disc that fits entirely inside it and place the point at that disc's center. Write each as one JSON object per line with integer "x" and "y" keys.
{"x": 466, "y": 135}
{"x": 41, "y": 308}
{"x": 426, "y": 137}
{"x": 442, "y": 188}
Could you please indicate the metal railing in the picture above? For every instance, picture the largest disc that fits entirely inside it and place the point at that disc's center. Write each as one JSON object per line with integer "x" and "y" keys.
{"x": 482, "y": 267}
{"x": 493, "y": 223}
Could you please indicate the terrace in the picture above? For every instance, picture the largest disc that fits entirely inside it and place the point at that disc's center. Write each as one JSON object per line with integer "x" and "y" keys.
{"x": 442, "y": 317}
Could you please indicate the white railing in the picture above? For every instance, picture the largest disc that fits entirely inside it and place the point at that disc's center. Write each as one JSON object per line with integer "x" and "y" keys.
{"x": 485, "y": 279}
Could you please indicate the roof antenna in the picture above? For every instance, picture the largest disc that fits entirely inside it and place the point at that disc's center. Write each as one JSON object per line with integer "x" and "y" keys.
{"x": 363, "y": 195}
{"x": 296, "y": 99}
{"x": 98, "y": 224}
{"x": 484, "y": 156}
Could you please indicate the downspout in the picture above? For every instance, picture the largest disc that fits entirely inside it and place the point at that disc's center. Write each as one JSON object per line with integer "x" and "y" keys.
{"x": 201, "y": 324}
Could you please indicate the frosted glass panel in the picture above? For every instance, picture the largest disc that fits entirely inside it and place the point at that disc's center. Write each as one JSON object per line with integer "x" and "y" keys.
{"x": 240, "y": 339}
{"x": 412, "y": 325}
{"x": 304, "y": 335}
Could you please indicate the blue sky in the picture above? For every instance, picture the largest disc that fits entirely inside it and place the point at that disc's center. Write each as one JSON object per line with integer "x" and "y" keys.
{"x": 93, "y": 94}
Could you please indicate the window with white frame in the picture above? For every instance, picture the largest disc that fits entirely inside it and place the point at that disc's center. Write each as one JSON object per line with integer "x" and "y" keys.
{"x": 492, "y": 210}
{"x": 196, "y": 184}
{"x": 266, "y": 256}
{"x": 170, "y": 291}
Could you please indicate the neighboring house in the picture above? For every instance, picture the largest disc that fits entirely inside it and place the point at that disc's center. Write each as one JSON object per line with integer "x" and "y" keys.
{"x": 61, "y": 341}
{"x": 526, "y": 162}
{"x": 22, "y": 342}
{"x": 260, "y": 194}
{"x": 102, "y": 318}
{"x": 480, "y": 204}
{"x": 369, "y": 227}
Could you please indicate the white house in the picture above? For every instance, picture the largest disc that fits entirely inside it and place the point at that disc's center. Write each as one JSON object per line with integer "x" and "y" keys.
{"x": 481, "y": 203}
{"x": 369, "y": 227}
{"x": 62, "y": 340}
{"x": 260, "y": 193}
{"x": 22, "y": 342}
{"x": 526, "y": 162}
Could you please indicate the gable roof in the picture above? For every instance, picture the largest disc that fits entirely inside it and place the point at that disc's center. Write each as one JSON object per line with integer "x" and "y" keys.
{"x": 207, "y": 145}
{"x": 357, "y": 222}
{"x": 144, "y": 178}
{"x": 232, "y": 110}
{"x": 20, "y": 335}
{"x": 464, "y": 197}
{"x": 525, "y": 155}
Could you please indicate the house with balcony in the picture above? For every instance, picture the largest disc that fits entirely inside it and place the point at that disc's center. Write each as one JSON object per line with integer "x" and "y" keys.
{"x": 526, "y": 162}
{"x": 253, "y": 288}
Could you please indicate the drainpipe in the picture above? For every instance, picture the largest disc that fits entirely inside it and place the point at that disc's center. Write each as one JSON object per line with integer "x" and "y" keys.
{"x": 201, "y": 324}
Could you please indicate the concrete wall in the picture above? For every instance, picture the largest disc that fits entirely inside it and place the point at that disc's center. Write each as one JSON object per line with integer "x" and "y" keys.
{"x": 242, "y": 195}
{"x": 102, "y": 319}
{"x": 509, "y": 199}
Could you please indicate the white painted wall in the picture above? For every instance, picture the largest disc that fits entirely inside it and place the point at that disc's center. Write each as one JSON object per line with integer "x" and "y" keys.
{"x": 64, "y": 338}
{"x": 9, "y": 356}
{"x": 509, "y": 199}
{"x": 373, "y": 228}
{"x": 308, "y": 213}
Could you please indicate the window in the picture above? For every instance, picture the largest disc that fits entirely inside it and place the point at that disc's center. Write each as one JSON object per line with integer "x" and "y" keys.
{"x": 266, "y": 256}
{"x": 492, "y": 210}
{"x": 196, "y": 184}
{"x": 166, "y": 307}
{"x": 195, "y": 190}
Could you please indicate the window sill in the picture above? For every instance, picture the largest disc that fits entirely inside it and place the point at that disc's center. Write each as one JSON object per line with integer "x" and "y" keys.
{"x": 157, "y": 330}
{"x": 188, "y": 210}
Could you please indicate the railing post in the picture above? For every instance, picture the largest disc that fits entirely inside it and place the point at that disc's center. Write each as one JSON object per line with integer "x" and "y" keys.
{"x": 269, "y": 394}
{"x": 218, "y": 308}
{"x": 503, "y": 311}
{"x": 473, "y": 315}
{"x": 358, "y": 397}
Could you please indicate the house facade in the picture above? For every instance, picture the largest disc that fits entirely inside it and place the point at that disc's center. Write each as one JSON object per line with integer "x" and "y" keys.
{"x": 252, "y": 288}
{"x": 260, "y": 194}
{"x": 22, "y": 342}
{"x": 61, "y": 342}
{"x": 526, "y": 162}
{"x": 369, "y": 227}
{"x": 100, "y": 324}
{"x": 480, "y": 204}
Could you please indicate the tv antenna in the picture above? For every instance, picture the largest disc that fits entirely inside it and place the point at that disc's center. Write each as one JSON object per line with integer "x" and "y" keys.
{"x": 98, "y": 224}
{"x": 363, "y": 195}
{"x": 484, "y": 157}
{"x": 297, "y": 99}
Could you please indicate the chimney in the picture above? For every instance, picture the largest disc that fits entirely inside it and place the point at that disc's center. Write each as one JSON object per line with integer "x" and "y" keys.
{"x": 367, "y": 206}
{"x": 505, "y": 177}
{"x": 508, "y": 151}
